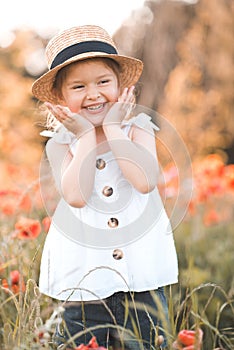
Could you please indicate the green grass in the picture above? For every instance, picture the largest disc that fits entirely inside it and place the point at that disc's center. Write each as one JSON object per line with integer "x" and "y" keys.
{"x": 202, "y": 298}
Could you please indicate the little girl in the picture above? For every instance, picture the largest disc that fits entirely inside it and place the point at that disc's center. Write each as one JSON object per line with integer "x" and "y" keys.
{"x": 110, "y": 250}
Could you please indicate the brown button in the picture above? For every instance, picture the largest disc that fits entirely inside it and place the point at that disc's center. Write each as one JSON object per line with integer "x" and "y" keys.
{"x": 117, "y": 254}
{"x": 113, "y": 222}
{"x": 107, "y": 191}
{"x": 100, "y": 164}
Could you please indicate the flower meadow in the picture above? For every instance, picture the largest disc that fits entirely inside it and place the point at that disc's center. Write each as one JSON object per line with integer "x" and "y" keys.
{"x": 200, "y": 304}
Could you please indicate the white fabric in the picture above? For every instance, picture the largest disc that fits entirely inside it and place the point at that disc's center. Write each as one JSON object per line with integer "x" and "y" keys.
{"x": 71, "y": 270}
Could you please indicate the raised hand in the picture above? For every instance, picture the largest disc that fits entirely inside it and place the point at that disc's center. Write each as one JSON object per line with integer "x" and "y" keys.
{"x": 72, "y": 121}
{"x": 120, "y": 110}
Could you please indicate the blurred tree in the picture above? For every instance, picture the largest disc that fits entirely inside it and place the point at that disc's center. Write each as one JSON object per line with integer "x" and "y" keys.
{"x": 199, "y": 94}
{"x": 151, "y": 34}
{"x": 188, "y": 74}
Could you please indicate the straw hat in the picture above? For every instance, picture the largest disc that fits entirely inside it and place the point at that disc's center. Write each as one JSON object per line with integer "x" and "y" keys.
{"x": 79, "y": 43}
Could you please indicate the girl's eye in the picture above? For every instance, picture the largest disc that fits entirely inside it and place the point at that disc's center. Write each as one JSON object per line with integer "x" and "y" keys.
{"x": 104, "y": 81}
{"x": 78, "y": 87}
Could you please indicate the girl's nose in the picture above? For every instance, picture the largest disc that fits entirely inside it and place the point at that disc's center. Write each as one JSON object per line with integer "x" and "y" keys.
{"x": 93, "y": 93}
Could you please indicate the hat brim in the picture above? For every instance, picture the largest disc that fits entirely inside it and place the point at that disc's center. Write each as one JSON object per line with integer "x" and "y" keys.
{"x": 130, "y": 72}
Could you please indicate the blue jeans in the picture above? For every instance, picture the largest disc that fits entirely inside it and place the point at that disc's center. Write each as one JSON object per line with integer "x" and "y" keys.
{"x": 124, "y": 320}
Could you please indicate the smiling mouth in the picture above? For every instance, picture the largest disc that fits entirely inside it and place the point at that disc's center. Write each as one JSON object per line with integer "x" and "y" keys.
{"x": 95, "y": 107}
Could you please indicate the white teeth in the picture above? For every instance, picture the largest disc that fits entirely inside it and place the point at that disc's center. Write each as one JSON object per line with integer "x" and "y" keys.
{"x": 94, "y": 108}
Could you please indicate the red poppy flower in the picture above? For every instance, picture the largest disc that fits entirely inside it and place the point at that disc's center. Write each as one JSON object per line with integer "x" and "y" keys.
{"x": 15, "y": 276}
{"x": 229, "y": 176}
{"x": 13, "y": 200}
{"x": 15, "y": 282}
{"x": 91, "y": 345}
{"x": 188, "y": 340}
{"x": 187, "y": 337}
{"x": 5, "y": 283}
{"x": 213, "y": 165}
{"x": 170, "y": 181}
{"x": 211, "y": 218}
{"x": 27, "y": 228}
{"x": 207, "y": 177}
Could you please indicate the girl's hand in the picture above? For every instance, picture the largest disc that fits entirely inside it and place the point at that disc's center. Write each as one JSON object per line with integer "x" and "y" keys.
{"x": 121, "y": 109}
{"x": 127, "y": 96}
{"x": 72, "y": 121}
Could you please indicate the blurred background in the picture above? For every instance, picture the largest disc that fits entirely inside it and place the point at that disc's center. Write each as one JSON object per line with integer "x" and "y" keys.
{"x": 186, "y": 46}
{"x": 188, "y": 54}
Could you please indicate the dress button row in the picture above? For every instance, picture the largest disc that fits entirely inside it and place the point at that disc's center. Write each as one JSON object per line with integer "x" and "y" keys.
{"x": 100, "y": 164}
{"x": 117, "y": 254}
{"x": 112, "y": 222}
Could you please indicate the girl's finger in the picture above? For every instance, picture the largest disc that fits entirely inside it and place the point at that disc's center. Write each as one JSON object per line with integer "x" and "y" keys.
{"x": 123, "y": 96}
{"x": 55, "y": 111}
{"x": 65, "y": 112}
{"x": 68, "y": 113}
{"x": 132, "y": 88}
{"x": 128, "y": 95}
{"x": 48, "y": 105}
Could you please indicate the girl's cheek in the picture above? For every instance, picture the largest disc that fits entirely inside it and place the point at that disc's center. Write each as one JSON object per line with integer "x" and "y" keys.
{"x": 75, "y": 109}
{"x": 74, "y": 105}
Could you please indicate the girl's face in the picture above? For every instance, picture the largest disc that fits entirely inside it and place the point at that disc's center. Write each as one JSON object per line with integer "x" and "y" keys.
{"x": 88, "y": 88}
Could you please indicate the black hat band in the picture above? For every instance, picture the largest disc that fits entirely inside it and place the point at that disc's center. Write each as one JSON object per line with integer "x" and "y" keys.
{"x": 79, "y": 48}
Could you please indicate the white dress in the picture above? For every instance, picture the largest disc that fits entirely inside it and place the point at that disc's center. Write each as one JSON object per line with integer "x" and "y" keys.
{"x": 120, "y": 241}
